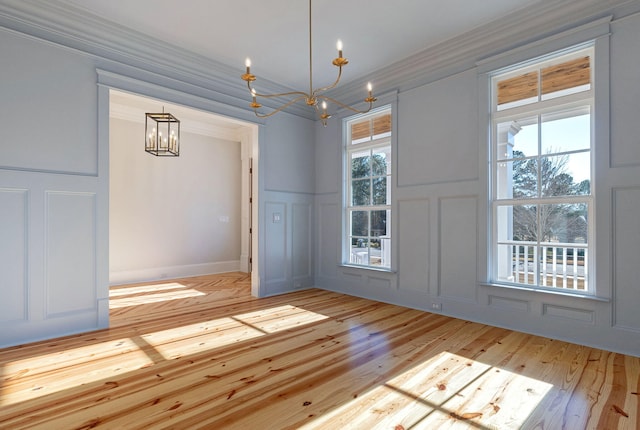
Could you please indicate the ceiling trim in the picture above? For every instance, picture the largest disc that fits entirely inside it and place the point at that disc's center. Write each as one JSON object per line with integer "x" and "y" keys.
{"x": 59, "y": 22}
{"x": 463, "y": 52}
{"x": 155, "y": 87}
{"x": 188, "y": 125}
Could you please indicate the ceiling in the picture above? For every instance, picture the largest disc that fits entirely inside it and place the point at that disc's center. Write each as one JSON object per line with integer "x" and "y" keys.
{"x": 274, "y": 33}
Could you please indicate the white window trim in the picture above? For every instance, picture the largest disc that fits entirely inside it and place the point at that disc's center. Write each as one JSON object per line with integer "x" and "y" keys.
{"x": 597, "y": 33}
{"x": 347, "y": 149}
{"x": 538, "y": 109}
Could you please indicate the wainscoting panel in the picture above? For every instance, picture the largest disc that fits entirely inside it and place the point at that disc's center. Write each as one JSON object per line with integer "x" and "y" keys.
{"x": 13, "y": 254}
{"x": 568, "y": 313}
{"x": 413, "y": 245}
{"x": 276, "y": 242}
{"x": 378, "y": 282}
{"x": 302, "y": 241}
{"x": 626, "y": 249}
{"x": 509, "y": 304}
{"x": 70, "y": 252}
{"x": 458, "y": 247}
{"x": 328, "y": 237}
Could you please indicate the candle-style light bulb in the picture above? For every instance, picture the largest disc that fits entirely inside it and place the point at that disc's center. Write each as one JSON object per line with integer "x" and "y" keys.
{"x": 339, "y": 46}
{"x": 324, "y": 106}
{"x": 247, "y": 63}
{"x": 253, "y": 94}
{"x": 369, "y": 88}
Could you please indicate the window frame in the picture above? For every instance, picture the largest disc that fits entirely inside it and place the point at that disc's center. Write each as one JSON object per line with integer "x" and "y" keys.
{"x": 559, "y": 104}
{"x": 385, "y": 140}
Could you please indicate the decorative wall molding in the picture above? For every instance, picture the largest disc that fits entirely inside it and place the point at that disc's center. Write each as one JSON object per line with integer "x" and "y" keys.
{"x": 14, "y": 259}
{"x": 70, "y": 252}
{"x": 568, "y": 313}
{"x": 625, "y": 203}
{"x": 302, "y": 244}
{"x": 508, "y": 304}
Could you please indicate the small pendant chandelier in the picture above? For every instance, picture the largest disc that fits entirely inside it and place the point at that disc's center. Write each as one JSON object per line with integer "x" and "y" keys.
{"x": 162, "y": 134}
{"x": 314, "y": 96}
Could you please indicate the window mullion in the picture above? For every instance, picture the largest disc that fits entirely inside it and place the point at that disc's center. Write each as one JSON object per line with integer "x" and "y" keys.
{"x": 539, "y": 160}
{"x": 544, "y": 106}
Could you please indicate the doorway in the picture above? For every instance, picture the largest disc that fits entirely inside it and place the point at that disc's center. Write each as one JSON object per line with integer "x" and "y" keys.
{"x": 172, "y": 217}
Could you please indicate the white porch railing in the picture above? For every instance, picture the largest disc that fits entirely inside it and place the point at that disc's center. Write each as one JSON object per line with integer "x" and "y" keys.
{"x": 547, "y": 264}
{"x": 372, "y": 256}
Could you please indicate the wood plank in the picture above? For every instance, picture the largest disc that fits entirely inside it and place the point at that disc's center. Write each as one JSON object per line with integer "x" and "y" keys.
{"x": 371, "y": 127}
{"x": 212, "y": 356}
{"x": 570, "y": 74}
{"x": 558, "y": 77}
{"x": 518, "y": 88}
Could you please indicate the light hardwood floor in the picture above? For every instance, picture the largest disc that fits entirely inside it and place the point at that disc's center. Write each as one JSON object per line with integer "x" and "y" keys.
{"x": 202, "y": 353}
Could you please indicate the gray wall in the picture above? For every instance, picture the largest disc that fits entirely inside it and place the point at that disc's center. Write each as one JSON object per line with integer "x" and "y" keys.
{"x": 52, "y": 276}
{"x": 287, "y": 204}
{"x": 54, "y": 180}
{"x": 439, "y": 206}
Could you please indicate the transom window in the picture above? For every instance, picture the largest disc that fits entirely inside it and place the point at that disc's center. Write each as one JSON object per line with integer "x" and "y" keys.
{"x": 541, "y": 182}
{"x": 368, "y": 190}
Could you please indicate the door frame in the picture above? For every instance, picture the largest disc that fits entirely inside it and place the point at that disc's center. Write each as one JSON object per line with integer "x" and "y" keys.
{"x": 249, "y": 149}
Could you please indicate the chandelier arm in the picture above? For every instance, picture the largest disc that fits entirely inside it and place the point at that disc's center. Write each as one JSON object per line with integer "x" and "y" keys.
{"x": 281, "y": 108}
{"x": 301, "y": 95}
{"x": 291, "y": 93}
{"x": 327, "y": 88}
{"x": 332, "y": 100}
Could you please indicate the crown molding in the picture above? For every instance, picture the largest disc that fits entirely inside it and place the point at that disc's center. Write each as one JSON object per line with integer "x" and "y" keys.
{"x": 59, "y": 22}
{"x": 461, "y": 53}
{"x": 188, "y": 125}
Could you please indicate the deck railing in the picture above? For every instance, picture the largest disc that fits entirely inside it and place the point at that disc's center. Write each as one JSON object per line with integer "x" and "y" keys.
{"x": 547, "y": 264}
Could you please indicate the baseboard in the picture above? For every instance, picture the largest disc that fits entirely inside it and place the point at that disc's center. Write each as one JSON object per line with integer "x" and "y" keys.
{"x": 158, "y": 273}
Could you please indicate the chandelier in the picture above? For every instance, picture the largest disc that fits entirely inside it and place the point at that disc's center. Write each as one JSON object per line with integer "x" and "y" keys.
{"x": 155, "y": 142}
{"x": 313, "y": 96}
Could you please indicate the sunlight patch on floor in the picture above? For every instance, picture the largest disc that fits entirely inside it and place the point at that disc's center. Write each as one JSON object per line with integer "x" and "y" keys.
{"x": 203, "y": 336}
{"x": 153, "y": 298}
{"x": 447, "y": 391}
{"x": 68, "y": 368}
{"x": 145, "y": 294}
{"x": 280, "y": 318}
{"x": 195, "y": 338}
{"x": 139, "y": 289}
{"x": 62, "y": 370}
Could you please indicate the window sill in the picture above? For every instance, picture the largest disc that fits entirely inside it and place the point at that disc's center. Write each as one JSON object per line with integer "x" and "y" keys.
{"x": 367, "y": 268}
{"x": 546, "y": 291}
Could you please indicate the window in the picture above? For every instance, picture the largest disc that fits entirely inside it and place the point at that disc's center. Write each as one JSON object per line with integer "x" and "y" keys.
{"x": 368, "y": 190}
{"x": 541, "y": 190}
